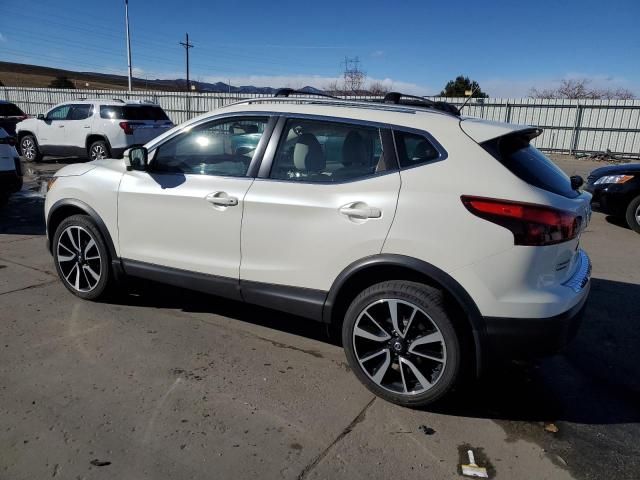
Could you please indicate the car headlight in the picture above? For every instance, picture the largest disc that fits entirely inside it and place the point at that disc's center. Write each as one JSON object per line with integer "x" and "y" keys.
{"x": 613, "y": 179}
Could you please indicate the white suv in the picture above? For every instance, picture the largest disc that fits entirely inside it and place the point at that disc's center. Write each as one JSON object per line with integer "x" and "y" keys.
{"x": 91, "y": 128}
{"x": 433, "y": 241}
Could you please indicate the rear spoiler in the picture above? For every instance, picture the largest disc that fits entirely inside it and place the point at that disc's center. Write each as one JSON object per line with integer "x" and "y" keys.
{"x": 485, "y": 130}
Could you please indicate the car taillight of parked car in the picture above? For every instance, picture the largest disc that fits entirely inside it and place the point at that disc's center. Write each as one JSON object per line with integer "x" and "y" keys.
{"x": 128, "y": 127}
{"x": 531, "y": 225}
{"x": 8, "y": 141}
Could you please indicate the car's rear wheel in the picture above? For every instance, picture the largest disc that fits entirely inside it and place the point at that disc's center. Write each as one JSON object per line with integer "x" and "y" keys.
{"x": 633, "y": 214}
{"x": 29, "y": 149}
{"x": 81, "y": 257}
{"x": 98, "y": 150}
{"x": 401, "y": 343}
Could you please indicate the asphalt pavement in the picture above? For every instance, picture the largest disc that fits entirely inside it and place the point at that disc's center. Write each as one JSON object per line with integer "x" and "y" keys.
{"x": 164, "y": 383}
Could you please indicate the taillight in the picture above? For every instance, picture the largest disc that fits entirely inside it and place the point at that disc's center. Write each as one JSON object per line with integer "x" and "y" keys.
{"x": 532, "y": 225}
{"x": 8, "y": 141}
{"x": 128, "y": 127}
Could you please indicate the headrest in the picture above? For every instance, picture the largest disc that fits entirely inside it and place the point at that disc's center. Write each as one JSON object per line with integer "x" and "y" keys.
{"x": 354, "y": 150}
{"x": 307, "y": 154}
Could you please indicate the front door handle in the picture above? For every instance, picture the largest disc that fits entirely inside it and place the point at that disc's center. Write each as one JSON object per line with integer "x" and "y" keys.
{"x": 221, "y": 199}
{"x": 361, "y": 211}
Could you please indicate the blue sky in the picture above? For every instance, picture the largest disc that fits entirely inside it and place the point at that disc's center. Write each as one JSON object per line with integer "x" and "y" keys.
{"x": 416, "y": 46}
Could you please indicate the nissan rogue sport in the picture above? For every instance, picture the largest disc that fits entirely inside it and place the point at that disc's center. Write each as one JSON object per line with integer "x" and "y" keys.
{"x": 433, "y": 241}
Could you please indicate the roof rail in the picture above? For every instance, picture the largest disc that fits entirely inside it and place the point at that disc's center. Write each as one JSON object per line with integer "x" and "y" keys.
{"x": 287, "y": 92}
{"x": 397, "y": 98}
{"x": 336, "y": 102}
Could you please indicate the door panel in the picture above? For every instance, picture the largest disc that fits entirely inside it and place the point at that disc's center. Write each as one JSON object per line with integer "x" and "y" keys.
{"x": 78, "y": 127}
{"x": 166, "y": 219}
{"x": 329, "y": 200}
{"x": 51, "y": 131}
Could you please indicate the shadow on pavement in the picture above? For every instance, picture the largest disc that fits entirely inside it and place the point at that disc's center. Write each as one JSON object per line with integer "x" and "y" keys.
{"x": 617, "y": 221}
{"x": 23, "y": 214}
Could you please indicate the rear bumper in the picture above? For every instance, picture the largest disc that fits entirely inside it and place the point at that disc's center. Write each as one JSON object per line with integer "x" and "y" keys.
{"x": 531, "y": 337}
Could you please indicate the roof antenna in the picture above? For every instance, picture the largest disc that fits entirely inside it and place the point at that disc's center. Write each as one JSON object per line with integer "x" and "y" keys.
{"x": 470, "y": 97}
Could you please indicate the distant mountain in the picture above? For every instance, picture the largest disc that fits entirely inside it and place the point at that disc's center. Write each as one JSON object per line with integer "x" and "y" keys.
{"x": 24, "y": 75}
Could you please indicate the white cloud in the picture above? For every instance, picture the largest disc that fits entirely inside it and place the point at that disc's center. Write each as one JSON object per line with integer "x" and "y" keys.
{"x": 3, "y": 38}
{"x": 514, "y": 88}
{"x": 377, "y": 53}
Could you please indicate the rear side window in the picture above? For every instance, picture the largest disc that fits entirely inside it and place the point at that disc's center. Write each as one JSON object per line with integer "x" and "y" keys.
{"x": 80, "y": 112}
{"x": 10, "y": 110}
{"x": 529, "y": 164}
{"x": 414, "y": 149}
{"x": 323, "y": 152}
{"x": 132, "y": 112}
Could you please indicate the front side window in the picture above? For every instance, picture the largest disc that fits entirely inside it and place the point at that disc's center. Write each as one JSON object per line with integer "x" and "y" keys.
{"x": 222, "y": 148}
{"x": 59, "y": 113}
{"x": 414, "y": 149}
{"x": 80, "y": 112}
{"x": 325, "y": 152}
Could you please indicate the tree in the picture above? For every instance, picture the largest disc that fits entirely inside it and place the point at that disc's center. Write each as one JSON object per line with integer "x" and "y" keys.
{"x": 378, "y": 88}
{"x": 458, "y": 87}
{"x": 579, "y": 89}
{"x": 61, "y": 81}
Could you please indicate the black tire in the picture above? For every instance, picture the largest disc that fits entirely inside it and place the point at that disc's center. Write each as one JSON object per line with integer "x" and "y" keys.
{"x": 633, "y": 214}
{"x": 98, "y": 150}
{"x": 64, "y": 245}
{"x": 425, "y": 300}
{"x": 29, "y": 149}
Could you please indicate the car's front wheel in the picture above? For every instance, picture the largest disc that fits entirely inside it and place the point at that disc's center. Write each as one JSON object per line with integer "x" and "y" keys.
{"x": 401, "y": 343}
{"x": 81, "y": 257}
{"x": 633, "y": 214}
{"x": 29, "y": 149}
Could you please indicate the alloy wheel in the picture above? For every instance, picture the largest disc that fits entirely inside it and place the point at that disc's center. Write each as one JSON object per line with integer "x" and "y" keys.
{"x": 399, "y": 346}
{"x": 28, "y": 149}
{"x": 638, "y": 215}
{"x": 79, "y": 259}
{"x": 98, "y": 152}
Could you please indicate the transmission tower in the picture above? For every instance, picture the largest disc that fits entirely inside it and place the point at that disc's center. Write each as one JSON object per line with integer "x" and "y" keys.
{"x": 353, "y": 76}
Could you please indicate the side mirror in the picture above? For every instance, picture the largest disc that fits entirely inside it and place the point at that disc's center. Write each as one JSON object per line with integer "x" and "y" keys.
{"x": 136, "y": 158}
{"x": 41, "y": 116}
{"x": 576, "y": 182}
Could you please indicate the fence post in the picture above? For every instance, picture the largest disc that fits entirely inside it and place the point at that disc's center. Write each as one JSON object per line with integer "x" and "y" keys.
{"x": 507, "y": 112}
{"x": 576, "y": 127}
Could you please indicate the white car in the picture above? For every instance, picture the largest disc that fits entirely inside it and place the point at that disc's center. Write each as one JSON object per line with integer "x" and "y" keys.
{"x": 10, "y": 168}
{"x": 433, "y": 241}
{"x": 91, "y": 128}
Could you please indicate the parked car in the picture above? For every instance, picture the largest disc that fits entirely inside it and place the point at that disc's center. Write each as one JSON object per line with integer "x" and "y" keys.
{"x": 616, "y": 192}
{"x": 10, "y": 168}
{"x": 434, "y": 242}
{"x": 10, "y": 115}
{"x": 91, "y": 128}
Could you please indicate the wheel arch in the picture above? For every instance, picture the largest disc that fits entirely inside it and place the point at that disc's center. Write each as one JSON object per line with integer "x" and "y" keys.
{"x": 67, "y": 207}
{"x": 94, "y": 137}
{"x": 377, "y": 268}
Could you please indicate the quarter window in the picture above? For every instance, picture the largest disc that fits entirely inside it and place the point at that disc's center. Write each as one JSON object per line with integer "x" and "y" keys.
{"x": 324, "y": 152}
{"x": 59, "y": 113}
{"x": 222, "y": 148}
{"x": 414, "y": 149}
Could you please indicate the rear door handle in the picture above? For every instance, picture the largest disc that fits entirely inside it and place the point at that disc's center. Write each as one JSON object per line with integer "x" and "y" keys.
{"x": 221, "y": 199}
{"x": 360, "y": 210}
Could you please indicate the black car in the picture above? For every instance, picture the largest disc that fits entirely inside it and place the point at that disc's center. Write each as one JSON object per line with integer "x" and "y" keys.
{"x": 616, "y": 191}
{"x": 10, "y": 115}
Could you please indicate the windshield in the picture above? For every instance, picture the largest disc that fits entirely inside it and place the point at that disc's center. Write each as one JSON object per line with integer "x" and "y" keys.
{"x": 529, "y": 164}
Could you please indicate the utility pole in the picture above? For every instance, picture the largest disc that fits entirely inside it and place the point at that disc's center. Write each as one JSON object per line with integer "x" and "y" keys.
{"x": 187, "y": 46}
{"x": 126, "y": 15}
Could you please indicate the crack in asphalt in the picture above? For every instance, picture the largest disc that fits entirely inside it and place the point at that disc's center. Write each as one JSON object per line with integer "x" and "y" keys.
{"x": 349, "y": 428}
{"x": 44, "y": 284}
{"x": 51, "y": 274}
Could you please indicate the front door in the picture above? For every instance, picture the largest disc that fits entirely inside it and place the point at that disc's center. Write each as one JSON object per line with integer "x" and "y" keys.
{"x": 328, "y": 200}
{"x": 185, "y": 212}
{"x": 51, "y": 131}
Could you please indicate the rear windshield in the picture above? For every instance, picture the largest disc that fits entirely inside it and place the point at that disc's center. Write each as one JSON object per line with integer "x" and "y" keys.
{"x": 10, "y": 110}
{"x": 529, "y": 164}
{"x": 132, "y": 112}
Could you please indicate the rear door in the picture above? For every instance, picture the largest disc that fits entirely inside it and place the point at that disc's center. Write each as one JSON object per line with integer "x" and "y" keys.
{"x": 325, "y": 197}
{"x": 78, "y": 128}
